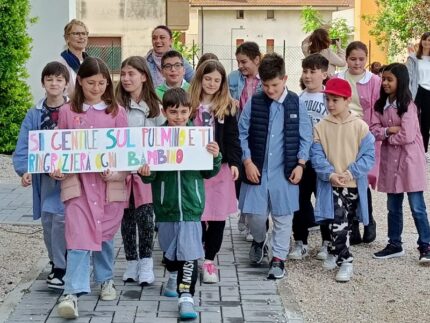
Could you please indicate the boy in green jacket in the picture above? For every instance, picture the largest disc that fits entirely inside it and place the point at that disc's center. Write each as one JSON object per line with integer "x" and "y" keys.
{"x": 179, "y": 201}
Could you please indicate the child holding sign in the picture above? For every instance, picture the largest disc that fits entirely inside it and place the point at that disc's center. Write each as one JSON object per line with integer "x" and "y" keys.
{"x": 94, "y": 202}
{"x": 136, "y": 93}
{"x": 47, "y": 204}
{"x": 179, "y": 200}
{"x": 213, "y": 106}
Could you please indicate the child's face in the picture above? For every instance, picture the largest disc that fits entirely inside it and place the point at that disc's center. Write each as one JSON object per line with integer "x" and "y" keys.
{"x": 177, "y": 117}
{"x": 93, "y": 87}
{"x": 389, "y": 83}
{"x": 356, "y": 61}
{"x": 54, "y": 85}
{"x": 173, "y": 71}
{"x": 313, "y": 79}
{"x": 211, "y": 82}
{"x": 247, "y": 66}
{"x": 337, "y": 105}
{"x": 274, "y": 87}
{"x": 132, "y": 80}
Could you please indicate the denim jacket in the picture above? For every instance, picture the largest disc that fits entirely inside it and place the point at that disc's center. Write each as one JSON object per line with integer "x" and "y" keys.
{"x": 236, "y": 83}
{"x": 324, "y": 208}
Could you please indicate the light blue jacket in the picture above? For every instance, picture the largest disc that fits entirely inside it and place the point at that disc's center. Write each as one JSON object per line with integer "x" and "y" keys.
{"x": 51, "y": 192}
{"x": 236, "y": 83}
{"x": 324, "y": 208}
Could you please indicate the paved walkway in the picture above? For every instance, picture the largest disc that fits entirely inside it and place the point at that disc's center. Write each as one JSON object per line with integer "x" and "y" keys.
{"x": 242, "y": 295}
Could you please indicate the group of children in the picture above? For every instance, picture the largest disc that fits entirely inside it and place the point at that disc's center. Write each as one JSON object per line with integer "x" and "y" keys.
{"x": 281, "y": 147}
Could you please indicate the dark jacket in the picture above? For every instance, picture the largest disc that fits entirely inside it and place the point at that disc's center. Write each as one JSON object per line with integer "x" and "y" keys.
{"x": 227, "y": 137}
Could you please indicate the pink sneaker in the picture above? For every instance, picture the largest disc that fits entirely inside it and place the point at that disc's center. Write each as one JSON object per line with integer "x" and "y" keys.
{"x": 209, "y": 273}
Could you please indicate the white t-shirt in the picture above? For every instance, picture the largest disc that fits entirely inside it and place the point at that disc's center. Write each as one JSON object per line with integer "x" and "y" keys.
{"x": 424, "y": 72}
{"x": 315, "y": 105}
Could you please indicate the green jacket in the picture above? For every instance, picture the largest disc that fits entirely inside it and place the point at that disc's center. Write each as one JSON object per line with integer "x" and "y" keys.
{"x": 161, "y": 89}
{"x": 180, "y": 195}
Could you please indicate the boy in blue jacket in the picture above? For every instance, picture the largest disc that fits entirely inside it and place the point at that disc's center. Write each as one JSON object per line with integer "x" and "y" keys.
{"x": 47, "y": 203}
{"x": 342, "y": 154}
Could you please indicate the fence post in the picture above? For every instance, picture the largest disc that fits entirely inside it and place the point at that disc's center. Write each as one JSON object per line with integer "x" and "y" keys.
{"x": 283, "y": 50}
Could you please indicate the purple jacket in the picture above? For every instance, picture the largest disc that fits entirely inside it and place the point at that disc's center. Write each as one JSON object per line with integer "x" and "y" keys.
{"x": 403, "y": 165}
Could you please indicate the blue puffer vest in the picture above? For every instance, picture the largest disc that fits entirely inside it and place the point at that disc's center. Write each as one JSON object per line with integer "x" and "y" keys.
{"x": 259, "y": 125}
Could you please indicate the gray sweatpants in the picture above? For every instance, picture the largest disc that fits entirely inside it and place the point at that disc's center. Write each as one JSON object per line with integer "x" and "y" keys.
{"x": 281, "y": 232}
{"x": 55, "y": 240}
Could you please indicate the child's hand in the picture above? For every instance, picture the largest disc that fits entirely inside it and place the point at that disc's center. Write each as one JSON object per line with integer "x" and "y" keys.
{"x": 58, "y": 175}
{"x": 347, "y": 177}
{"x": 106, "y": 175}
{"x": 337, "y": 180}
{"x": 393, "y": 130}
{"x": 26, "y": 180}
{"x": 252, "y": 172}
{"x": 234, "y": 172}
{"x": 296, "y": 175}
{"x": 144, "y": 170}
{"x": 213, "y": 148}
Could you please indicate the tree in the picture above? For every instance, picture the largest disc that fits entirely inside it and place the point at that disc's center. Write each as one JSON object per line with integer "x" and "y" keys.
{"x": 188, "y": 52}
{"x": 398, "y": 22}
{"x": 15, "y": 97}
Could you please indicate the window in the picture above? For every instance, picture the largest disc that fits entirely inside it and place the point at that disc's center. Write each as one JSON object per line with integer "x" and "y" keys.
{"x": 270, "y": 14}
{"x": 239, "y": 42}
{"x": 270, "y": 45}
{"x": 240, "y": 14}
{"x": 108, "y": 49}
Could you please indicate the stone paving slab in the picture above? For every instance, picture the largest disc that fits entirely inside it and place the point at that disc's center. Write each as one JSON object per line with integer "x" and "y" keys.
{"x": 243, "y": 293}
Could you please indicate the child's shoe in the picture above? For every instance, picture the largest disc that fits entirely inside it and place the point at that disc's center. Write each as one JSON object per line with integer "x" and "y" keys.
{"x": 256, "y": 253}
{"x": 170, "y": 287}
{"x": 323, "y": 252}
{"x": 146, "y": 271}
{"x": 277, "y": 269}
{"x": 131, "y": 273}
{"x": 186, "y": 307}
{"x": 330, "y": 262}
{"x": 369, "y": 234}
{"x": 248, "y": 236}
{"x": 108, "y": 292}
{"x": 299, "y": 251}
{"x": 345, "y": 272}
{"x": 51, "y": 273}
{"x": 390, "y": 251}
{"x": 68, "y": 307}
{"x": 57, "y": 279}
{"x": 209, "y": 272}
{"x": 424, "y": 255}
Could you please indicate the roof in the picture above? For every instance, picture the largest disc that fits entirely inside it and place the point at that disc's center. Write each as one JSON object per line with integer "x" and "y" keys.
{"x": 271, "y": 3}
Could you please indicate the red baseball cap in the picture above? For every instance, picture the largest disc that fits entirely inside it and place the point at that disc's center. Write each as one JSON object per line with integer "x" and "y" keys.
{"x": 339, "y": 87}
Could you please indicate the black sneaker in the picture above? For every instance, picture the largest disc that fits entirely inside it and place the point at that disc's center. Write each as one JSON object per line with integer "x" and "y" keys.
{"x": 57, "y": 281}
{"x": 277, "y": 269}
{"x": 424, "y": 255}
{"x": 51, "y": 273}
{"x": 257, "y": 251}
{"x": 390, "y": 251}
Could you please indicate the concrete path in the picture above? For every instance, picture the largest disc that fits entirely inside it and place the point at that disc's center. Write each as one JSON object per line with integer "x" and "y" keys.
{"x": 242, "y": 295}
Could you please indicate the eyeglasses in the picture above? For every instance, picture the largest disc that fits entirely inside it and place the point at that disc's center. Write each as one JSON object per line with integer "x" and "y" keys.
{"x": 176, "y": 66}
{"x": 79, "y": 33}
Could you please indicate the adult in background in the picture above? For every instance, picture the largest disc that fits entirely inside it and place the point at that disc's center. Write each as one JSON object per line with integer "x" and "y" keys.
{"x": 76, "y": 37}
{"x": 418, "y": 65}
{"x": 319, "y": 42}
{"x": 162, "y": 38}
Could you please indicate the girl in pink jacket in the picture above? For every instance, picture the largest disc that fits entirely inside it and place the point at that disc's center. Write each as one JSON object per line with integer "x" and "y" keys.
{"x": 395, "y": 123}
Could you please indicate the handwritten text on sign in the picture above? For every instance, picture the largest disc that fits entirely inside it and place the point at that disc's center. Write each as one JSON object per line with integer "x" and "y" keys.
{"x": 94, "y": 150}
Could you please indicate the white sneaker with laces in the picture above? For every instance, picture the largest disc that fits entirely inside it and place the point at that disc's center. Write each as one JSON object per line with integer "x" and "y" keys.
{"x": 131, "y": 273}
{"x": 68, "y": 307}
{"x": 108, "y": 292}
{"x": 209, "y": 272}
{"x": 330, "y": 262}
{"x": 345, "y": 272}
{"x": 299, "y": 251}
{"x": 146, "y": 271}
{"x": 323, "y": 252}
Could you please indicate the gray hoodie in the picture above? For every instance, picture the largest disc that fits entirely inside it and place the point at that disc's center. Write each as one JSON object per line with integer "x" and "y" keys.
{"x": 412, "y": 65}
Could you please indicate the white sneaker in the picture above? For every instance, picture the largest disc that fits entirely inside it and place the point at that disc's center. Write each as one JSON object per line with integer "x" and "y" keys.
{"x": 68, "y": 307}
{"x": 108, "y": 292}
{"x": 330, "y": 262}
{"x": 209, "y": 273}
{"x": 248, "y": 236}
{"x": 299, "y": 251}
{"x": 146, "y": 271}
{"x": 323, "y": 252}
{"x": 345, "y": 272}
{"x": 131, "y": 273}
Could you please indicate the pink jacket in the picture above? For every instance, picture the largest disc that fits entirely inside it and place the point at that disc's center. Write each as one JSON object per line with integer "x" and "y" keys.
{"x": 403, "y": 166}
{"x": 142, "y": 193}
{"x": 368, "y": 89}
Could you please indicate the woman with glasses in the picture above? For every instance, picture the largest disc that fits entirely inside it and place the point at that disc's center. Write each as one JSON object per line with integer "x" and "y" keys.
{"x": 76, "y": 37}
{"x": 162, "y": 38}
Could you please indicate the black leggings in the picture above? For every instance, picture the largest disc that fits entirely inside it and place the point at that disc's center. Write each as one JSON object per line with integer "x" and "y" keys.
{"x": 422, "y": 101}
{"x": 187, "y": 275}
{"x": 212, "y": 235}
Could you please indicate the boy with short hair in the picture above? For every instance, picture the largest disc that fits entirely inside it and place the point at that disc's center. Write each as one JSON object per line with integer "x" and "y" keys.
{"x": 342, "y": 154}
{"x": 179, "y": 201}
{"x": 276, "y": 135}
{"x": 314, "y": 74}
{"x": 172, "y": 68}
{"x": 47, "y": 204}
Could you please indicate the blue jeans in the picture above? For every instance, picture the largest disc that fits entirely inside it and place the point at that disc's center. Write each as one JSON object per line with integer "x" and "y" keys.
{"x": 77, "y": 279}
{"x": 395, "y": 218}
